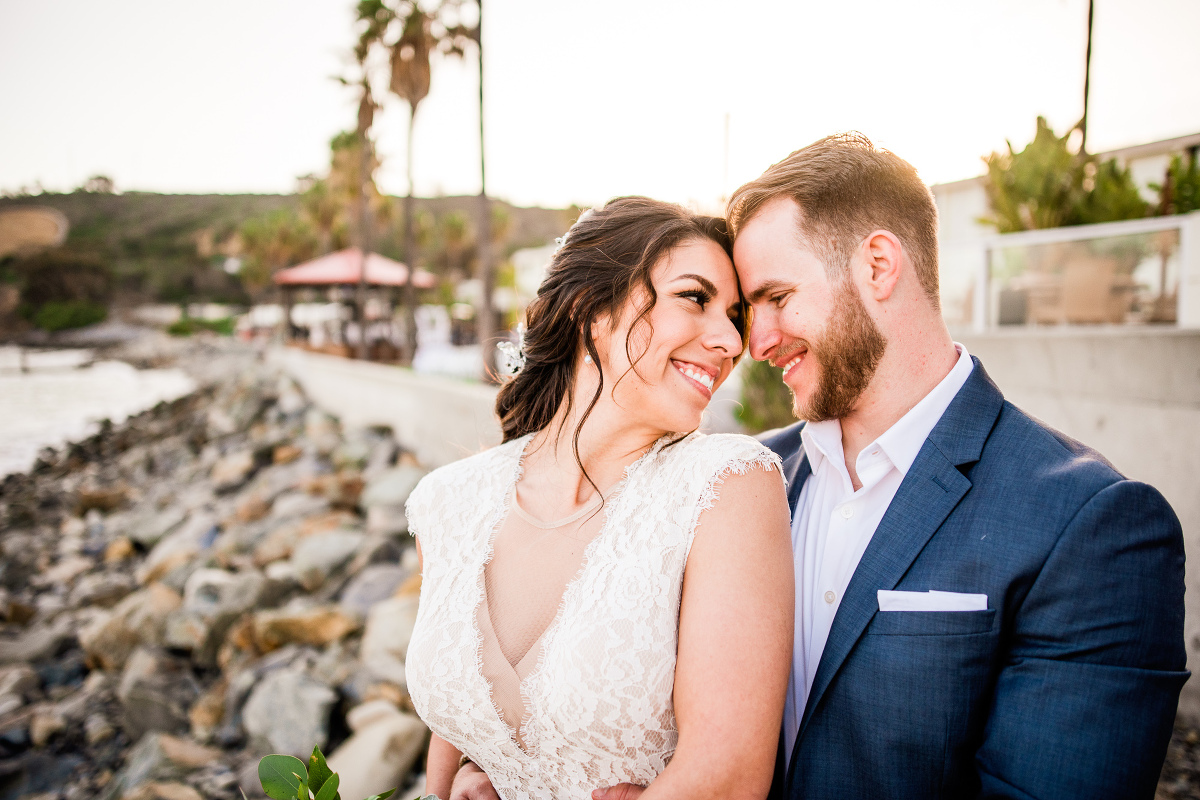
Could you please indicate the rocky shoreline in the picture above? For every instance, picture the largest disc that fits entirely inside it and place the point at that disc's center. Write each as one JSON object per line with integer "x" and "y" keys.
{"x": 218, "y": 578}
{"x": 222, "y": 577}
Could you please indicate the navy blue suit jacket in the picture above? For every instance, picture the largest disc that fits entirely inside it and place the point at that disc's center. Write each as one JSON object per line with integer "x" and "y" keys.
{"x": 1066, "y": 687}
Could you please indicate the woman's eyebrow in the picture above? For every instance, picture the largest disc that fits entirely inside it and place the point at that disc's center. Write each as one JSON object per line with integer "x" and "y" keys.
{"x": 704, "y": 282}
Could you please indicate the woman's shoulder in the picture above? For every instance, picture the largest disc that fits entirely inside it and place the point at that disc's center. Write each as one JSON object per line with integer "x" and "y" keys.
{"x": 473, "y": 472}
{"x": 727, "y": 451}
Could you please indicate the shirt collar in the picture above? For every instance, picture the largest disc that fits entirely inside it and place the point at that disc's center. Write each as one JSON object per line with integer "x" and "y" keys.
{"x": 903, "y": 441}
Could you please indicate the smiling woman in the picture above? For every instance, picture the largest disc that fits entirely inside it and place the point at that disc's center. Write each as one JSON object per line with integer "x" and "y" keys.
{"x": 595, "y": 587}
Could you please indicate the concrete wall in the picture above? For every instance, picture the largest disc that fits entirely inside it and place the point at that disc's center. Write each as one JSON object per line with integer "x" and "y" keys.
{"x": 1134, "y": 395}
{"x": 439, "y": 419}
{"x": 1131, "y": 393}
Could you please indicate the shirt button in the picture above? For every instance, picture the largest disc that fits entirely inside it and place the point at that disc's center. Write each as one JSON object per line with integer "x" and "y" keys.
{"x": 830, "y": 597}
{"x": 847, "y": 512}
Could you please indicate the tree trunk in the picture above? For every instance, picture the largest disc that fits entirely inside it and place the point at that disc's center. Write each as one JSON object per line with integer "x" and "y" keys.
{"x": 409, "y": 291}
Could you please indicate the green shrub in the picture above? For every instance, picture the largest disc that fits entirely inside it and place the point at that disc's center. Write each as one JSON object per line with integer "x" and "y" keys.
{"x": 766, "y": 399}
{"x": 64, "y": 315}
{"x": 189, "y": 325}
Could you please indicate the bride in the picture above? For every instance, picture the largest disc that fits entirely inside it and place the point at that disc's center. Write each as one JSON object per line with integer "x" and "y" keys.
{"x": 606, "y": 597}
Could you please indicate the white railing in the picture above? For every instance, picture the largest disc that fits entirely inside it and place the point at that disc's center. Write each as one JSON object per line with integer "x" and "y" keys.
{"x": 1135, "y": 272}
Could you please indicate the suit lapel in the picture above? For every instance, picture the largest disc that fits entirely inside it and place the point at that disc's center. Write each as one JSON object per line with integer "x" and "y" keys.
{"x": 796, "y": 469}
{"x": 930, "y": 491}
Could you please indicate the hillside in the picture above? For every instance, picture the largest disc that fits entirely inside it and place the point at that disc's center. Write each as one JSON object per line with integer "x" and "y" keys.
{"x": 167, "y": 247}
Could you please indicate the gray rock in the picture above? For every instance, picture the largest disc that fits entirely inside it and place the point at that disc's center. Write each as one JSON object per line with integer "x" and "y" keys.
{"x": 385, "y": 746}
{"x": 213, "y": 599}
{"x": 385, "y": 640}
{"x": 138, "y": 619}
{"x": 315, "y": 557}
{"x": 10, "y": 702}
{"x": 156, "y": 691}
{"x": 20, "y": 680}
{"x": 38, "y": 643}
{"x": 102, "y": 589}
{"x": 288, "y": 712}
{"x": 232, "y": 470}
{"x": 293, "y": 505}
{"x": 392, "y": 487}
{"x": 147, "y": 529}
{"x": 97, "y": 729}
{"x": 374, "y": 584}
{"x": 146, "y": 761}
{"x": 179, "y": 548}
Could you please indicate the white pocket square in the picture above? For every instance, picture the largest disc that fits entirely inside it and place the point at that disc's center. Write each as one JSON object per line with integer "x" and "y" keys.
{"x": 892, "y": 600}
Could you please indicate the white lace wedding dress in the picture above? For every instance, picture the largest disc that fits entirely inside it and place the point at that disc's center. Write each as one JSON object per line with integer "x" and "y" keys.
{"x": 585, "y": 701}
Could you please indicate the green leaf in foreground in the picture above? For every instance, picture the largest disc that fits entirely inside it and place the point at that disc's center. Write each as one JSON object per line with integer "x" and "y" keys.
{"x": 383, "y": 796}
{"x": 282, "y": 776}
{"x": 318, "y": 771}
{"x": 329, "y": 790}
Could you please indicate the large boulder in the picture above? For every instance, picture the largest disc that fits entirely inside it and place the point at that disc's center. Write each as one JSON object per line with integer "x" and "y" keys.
{"x": 288, "y": 712}
{"x": 385, "y": 745}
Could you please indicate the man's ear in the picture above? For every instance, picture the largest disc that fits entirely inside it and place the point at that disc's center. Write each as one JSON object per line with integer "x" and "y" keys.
{"x": 884, "y": 257}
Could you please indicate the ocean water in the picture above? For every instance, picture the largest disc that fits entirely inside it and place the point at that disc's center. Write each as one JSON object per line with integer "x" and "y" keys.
{"x": 64, "y": 395}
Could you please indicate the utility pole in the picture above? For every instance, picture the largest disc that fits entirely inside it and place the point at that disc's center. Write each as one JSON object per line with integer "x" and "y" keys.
{"x": 487, "y": 271}
{"x": 1087, "y": 78}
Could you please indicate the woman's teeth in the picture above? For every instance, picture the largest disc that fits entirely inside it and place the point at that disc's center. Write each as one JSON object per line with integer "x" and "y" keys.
{"x": 702, "y": 378}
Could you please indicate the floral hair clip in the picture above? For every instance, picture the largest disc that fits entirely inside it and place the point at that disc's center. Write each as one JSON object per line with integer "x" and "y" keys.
{"x": 513, "y": 355}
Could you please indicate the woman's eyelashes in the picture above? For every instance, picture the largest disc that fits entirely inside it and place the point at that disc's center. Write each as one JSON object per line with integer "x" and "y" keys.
{"x": 699, "y": 296}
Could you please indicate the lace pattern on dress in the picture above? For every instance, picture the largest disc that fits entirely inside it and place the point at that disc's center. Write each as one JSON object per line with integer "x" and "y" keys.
{"x": 600, "y": 697}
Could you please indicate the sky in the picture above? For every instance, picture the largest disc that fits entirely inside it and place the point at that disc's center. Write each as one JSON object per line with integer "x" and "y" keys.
{"x": 677, "y": 99}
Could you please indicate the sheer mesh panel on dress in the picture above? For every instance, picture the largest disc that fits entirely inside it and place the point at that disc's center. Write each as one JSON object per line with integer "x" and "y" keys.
{"x": 523, "y": 589}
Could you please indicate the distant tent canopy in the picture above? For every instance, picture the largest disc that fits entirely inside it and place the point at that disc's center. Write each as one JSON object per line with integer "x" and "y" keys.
{"x": 345, "y": 268}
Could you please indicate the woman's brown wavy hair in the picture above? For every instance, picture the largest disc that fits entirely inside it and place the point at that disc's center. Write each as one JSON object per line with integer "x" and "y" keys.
{"x": 606, "y": 256}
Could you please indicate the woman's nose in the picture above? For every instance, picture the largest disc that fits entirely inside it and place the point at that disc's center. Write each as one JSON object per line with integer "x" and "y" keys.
{"x": 726, "y": 337}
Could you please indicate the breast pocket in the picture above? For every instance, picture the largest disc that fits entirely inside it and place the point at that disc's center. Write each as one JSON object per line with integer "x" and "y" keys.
{"x": 931, "y": 623}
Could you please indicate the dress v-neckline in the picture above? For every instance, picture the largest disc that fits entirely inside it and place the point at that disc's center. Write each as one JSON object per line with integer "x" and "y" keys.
{"x": 524, "y": 737}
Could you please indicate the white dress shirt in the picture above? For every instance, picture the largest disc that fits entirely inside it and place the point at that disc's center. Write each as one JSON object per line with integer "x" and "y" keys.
{"x": 834, "y": 524}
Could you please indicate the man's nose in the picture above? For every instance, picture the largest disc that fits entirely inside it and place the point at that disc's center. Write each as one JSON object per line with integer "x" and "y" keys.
{"x": 764, "y": 335}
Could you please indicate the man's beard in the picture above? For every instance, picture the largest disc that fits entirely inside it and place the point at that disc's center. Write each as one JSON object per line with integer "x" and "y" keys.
{"x": 847, "y": 355}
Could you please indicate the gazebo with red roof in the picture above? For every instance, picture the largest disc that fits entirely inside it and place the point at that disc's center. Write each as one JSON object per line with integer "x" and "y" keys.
{"x": 345, "y": 269}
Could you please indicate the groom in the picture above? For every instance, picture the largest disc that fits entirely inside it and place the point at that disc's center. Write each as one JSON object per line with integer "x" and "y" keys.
{"x": 984, "y": 608}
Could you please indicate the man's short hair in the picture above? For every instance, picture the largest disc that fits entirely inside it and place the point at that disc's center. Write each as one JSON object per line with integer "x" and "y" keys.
{"x": 846, "y": 187}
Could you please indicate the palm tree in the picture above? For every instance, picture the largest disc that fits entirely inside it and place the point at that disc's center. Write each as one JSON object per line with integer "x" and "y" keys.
{"x": 411, "y": 76}
{"x": 420, "y": 34}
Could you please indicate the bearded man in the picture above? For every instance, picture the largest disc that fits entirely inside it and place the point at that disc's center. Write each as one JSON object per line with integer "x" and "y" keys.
{"x": 984, "y": 607}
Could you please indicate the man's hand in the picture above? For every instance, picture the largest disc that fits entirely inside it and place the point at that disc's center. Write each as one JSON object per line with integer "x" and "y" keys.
{"x": 471, "y": 783}
{"x": 622, "y": 791}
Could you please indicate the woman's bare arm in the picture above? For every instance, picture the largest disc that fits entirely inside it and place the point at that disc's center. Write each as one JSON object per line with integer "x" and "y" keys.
{"x": 442, "y": 763}
{"x": 441, "y": 766}
{"x": 735, "y": 645}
